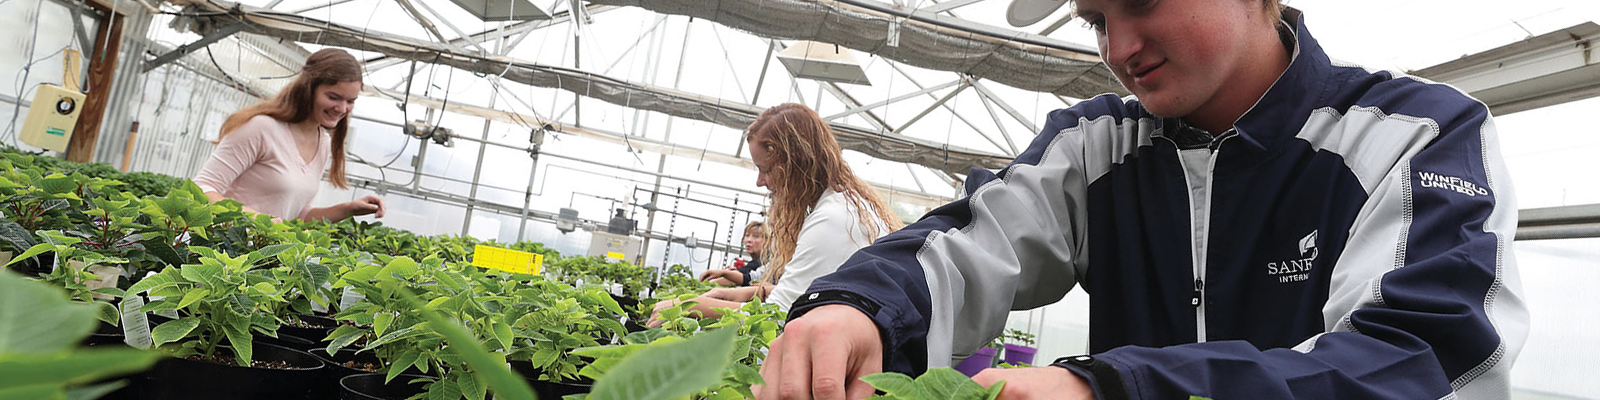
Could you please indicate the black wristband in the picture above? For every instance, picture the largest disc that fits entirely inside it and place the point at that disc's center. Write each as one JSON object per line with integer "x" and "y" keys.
{"x": 836, "y": 296}
{"x": 1106, "y": 378}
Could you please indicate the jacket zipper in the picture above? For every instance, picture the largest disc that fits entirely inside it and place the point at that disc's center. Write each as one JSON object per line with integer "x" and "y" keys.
{"x": 1197, "y": 298}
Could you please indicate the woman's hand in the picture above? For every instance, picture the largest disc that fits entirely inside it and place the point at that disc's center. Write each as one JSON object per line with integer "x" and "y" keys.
{"x": 714, "y": 274}
{"x": 655, "y": 315}
{"x": 369, "y": 204}
{"x": 737, "y": 295}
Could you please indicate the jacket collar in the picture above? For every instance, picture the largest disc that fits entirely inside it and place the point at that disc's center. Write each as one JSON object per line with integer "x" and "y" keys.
{"x": 1277, "y": 117}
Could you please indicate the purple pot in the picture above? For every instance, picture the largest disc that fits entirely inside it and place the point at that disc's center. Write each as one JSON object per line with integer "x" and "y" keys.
{"x": 1018, "y": 355}
{"x": 983, "y": 359}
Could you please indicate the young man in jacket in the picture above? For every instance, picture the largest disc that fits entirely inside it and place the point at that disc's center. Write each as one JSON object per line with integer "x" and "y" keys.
{"x": 1261, "y": 222}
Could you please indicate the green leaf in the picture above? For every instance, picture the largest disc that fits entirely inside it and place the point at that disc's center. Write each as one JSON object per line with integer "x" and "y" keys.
{"x": 32, "y": 392}
{"x": 36, "y": 318}
{"x": 241, "y": 304}
{"x": 668, "y": 371}
{"x": 401, "y": 363}
{"x": 470, "y": 387}
{"x": 206, "y": 273}
{"x": 173, "y": 330}
{"x": 15, "y": 235}
{"x": 502, "y": 333}
{"x": 32, "y": 251}
{"x": 380, "y": 323}
{"x": 506, "y": 385}
{"x": 343, "y": 336}
{"x": 193, "y": 296}
{"x": 994, "y": 391}
{"x": 92, "y": 392}
{"x": 896, "y": 385}
{"x": 947, "y": 383}
{"x": 408, "y": 332}
{"x": 270, "y": 251}
{"x": 444, "y": 390}
{"x": 73, "y": 367}
{"x": 107, "y": 313}
{"x": 240, "y": 340}
{"x": 166, "y": 278}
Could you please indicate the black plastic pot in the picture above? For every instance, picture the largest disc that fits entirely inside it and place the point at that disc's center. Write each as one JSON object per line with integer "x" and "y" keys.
{"x": 108, "y": 336}
{"x": 627, "y": 303}
{"x": 371, "y": 387}
{"x": 177, "y": 378}
{"x": 315, "y": 334}
{"x": 105, "y": 335}
{"x": 328, "y": 387}
{"x": 550, "y": 390}
{"x": 291, "y": 341}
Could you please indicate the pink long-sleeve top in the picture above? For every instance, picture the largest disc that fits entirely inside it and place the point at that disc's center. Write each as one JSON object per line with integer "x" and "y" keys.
{"x": 259, "y": 165}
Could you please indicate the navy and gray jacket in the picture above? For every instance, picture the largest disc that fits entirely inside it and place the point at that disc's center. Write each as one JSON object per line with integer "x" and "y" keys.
{"x": 1349, "y": 238}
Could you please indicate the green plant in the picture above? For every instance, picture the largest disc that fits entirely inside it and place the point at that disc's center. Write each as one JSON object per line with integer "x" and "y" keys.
{"x": 220, "y": 299}
{"x": 557, "y": 319}
{"x": 38, "y": 329}
{"x": 402, "y": 338}
{"x": 669, "y": 368}
{"x": 490, "y": 368}
{"x": 935, "y": 384}
{"x": 754, "y": 324}
{"x": 1017, "y": 337}
{"x": 73, "y": 279}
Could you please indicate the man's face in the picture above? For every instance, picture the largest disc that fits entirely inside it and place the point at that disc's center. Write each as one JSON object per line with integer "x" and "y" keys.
{"x": 1175, "y": 55}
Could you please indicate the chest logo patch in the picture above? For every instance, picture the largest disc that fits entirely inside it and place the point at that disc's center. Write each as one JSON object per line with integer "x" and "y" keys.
{"x": 1299, "y": 269}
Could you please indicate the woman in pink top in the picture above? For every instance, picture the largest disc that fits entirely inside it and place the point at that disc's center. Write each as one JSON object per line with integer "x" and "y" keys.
{"x": 271, "y": 155}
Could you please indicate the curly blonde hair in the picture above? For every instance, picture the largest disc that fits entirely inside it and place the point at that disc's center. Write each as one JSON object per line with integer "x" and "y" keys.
{"x": 806, "y": 161}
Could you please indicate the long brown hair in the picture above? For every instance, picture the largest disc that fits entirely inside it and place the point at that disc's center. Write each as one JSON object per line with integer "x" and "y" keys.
{"x": 807, "y": 162}
{"x": 294, "y": 103}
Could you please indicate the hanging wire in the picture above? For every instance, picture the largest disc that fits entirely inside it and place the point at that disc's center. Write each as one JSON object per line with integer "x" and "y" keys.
{"x": 22, "y": 84}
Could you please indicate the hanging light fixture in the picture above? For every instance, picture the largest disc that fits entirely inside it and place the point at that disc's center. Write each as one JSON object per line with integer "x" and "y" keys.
{"x": 823, "y": 62}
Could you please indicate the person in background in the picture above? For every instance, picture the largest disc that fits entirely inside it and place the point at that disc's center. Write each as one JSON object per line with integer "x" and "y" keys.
{"x": 1262, "y": 222}
{"x": 271, "y": 156}
{"x": 742, "y": 273}
{"x": 820, "y": 214}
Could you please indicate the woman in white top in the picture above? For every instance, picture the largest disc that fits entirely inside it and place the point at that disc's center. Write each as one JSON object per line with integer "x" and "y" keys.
{"x": 271, "y": 155}
{"x": 820, "y": 214}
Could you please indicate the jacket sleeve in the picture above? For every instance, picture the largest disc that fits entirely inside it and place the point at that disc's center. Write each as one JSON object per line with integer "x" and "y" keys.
{"x": 965, "y": 261}
{"x": 1424, "y": 302}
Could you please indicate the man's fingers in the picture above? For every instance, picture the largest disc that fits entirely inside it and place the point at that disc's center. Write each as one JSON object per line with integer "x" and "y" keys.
{"x": 794, "y": 380}
{"x": 829, "y": 367}
{"x": 770, "y": 370}
{"x": 871, "y": 363}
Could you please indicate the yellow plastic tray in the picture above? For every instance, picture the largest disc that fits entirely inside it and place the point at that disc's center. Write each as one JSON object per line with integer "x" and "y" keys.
{"x": 507, "y": 260}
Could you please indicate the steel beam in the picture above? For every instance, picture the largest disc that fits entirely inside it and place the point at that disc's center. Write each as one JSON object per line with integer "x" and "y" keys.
{"x": 947, "y": 6}
{"x": 935, "y": 105}
{"x": 892, "y": 100}
{"x": 208, "y": 39}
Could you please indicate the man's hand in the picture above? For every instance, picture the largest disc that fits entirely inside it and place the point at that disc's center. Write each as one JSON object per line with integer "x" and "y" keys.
{"x": 1036, "y": 383}
{"x": 821, "y": 355}
{"x": 369, "y": 204}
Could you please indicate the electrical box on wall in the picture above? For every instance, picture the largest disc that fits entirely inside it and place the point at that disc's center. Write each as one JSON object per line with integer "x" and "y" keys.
{"x": 52, "y": 117}
{"x": 615, "y": 247}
